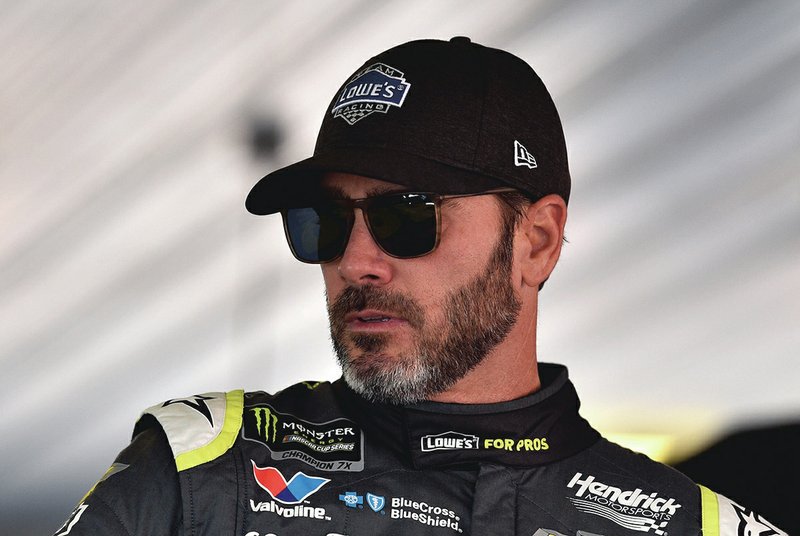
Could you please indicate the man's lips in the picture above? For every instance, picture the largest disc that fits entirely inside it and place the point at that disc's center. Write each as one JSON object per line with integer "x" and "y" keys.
{"x": 373, "y": 319}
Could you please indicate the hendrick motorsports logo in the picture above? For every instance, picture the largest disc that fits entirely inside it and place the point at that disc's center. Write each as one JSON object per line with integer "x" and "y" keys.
{"x": 375, "y": 89}
{"x": 449, "y": 441}
{"x": 336, "y": 445}
{"x": 631, "y": 509}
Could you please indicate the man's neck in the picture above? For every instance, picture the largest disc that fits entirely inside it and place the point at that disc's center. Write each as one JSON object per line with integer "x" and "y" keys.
{"x": 480, "y": 388}
{"x": 509, "y": 372}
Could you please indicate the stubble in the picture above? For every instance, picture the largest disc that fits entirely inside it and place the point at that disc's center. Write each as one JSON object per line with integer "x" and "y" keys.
{"x": 476, "y": 318}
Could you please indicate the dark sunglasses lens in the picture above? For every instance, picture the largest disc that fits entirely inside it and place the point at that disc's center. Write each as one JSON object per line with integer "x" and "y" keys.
{"x": 317, "y": 234}
{"x": 404, "y": 225}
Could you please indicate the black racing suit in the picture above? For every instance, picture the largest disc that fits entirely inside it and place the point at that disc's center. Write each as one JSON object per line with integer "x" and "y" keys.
{"x": 318, "y": 459}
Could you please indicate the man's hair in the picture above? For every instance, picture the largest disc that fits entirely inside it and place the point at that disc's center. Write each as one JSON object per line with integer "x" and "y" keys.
{"x": 513, "y": 206}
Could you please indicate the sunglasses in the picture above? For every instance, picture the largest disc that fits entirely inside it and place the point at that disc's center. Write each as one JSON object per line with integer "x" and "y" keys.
{"x": 404, "y": 225}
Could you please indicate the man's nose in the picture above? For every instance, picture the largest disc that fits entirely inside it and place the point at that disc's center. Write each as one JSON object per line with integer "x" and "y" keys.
{"x": 363, "y": 261}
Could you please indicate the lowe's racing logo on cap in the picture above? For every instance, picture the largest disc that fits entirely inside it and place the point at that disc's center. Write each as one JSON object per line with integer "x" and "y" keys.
{"x": 375, "y": 89}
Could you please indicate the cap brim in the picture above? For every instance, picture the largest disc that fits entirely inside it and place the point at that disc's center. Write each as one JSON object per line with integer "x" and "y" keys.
{"x": 300, "y": 181}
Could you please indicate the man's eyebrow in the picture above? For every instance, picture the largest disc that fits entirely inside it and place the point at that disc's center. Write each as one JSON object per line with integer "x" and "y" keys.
{"x": 385, "y": 189}
{"x": 334, "y": 192}
{"x": 337, "y": 192}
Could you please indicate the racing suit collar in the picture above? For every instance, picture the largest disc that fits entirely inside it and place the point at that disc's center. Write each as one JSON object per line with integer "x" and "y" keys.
{"x": 537, "y": 429}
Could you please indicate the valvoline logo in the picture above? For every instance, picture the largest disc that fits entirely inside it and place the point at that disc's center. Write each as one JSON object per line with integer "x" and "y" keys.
{"x": 297, "y": 489}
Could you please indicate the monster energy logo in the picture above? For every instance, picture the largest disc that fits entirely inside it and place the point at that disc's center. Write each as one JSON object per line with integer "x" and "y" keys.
{"x": 335, "y": 445}
{"x": 266, "y": 423}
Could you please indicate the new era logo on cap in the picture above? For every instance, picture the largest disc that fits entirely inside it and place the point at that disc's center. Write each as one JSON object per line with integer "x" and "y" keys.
{"x": 522, "y": 157}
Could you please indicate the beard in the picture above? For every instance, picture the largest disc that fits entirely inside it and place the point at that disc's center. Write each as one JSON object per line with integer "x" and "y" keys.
{"x": 476, "y": 318}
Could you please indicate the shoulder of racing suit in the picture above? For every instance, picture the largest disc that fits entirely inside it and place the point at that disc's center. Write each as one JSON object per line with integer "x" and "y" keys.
{"x": 723, "y": 517}
{"x": 616, "y": 474}
{"x": 199, "y": 428}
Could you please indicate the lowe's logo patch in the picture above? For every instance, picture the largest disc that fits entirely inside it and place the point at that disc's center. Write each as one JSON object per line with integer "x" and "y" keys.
{"x": 375, "y": 89}
{"x": 449, "y": 441}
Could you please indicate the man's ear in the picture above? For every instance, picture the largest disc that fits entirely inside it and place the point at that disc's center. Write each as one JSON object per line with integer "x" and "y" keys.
{"x": 541, "y": 231}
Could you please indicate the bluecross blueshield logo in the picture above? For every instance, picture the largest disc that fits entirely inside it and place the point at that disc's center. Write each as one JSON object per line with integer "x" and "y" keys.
{"x": 376, "y": 502}
{"x": 377, "y": 88}
{"x": 352, "y": 500}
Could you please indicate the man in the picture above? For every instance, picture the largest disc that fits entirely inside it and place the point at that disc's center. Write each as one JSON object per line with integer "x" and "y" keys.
{"x": 435, "y": 203}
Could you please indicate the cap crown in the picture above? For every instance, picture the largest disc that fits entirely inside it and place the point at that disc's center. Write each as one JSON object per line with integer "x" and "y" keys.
{"x": 443, "y": 116}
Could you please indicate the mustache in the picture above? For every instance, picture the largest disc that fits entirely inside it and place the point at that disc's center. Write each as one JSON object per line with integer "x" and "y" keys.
{"x": 353, "y": 299}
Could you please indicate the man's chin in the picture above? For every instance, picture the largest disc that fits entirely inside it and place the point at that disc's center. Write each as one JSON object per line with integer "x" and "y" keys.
{"x": 379, "y": 343}
{"x": 384, "y": 390}
{"x": 365, "y": 344}
{"x": 386, "y": 378}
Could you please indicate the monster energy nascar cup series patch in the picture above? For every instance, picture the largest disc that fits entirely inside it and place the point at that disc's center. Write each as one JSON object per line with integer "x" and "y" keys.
{"x": 375, "y": 89}
{"x": 336, "y": 445}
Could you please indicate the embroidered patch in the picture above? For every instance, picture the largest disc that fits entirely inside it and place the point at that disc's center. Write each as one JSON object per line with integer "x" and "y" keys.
{"x": 294, "y": 491}
{"x": 336, "y": 445}
{"x": 376, "y": 502}
{"x": 375, "y": 89}
{"x": 635, "y": 509}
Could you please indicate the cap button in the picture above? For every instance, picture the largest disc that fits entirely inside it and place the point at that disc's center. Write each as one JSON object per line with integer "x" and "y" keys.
{"x": 460, "y": 39}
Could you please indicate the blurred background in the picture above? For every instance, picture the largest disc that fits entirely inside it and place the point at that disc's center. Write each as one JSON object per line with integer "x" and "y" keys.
{"x": 130, "y": 273}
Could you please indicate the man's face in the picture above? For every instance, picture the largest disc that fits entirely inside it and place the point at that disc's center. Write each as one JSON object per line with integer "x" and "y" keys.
{"x": 406, "y": 329}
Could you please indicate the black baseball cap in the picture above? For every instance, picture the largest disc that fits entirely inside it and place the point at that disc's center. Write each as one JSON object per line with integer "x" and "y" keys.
{"x": 447, "y": 117}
